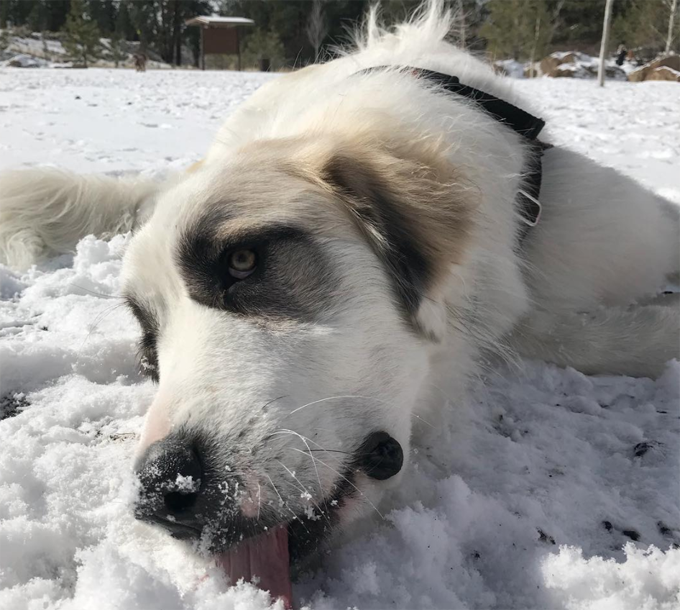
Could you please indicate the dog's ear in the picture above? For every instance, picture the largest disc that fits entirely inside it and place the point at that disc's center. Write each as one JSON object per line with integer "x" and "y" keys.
{"x": 415, "y": 213}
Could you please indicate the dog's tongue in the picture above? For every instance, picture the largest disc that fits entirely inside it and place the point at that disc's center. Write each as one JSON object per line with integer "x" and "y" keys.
{"x": 263, "y": 560}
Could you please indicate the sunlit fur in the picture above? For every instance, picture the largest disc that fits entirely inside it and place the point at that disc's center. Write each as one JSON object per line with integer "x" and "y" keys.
{"x": 284, "y": 399}
{"x": 43, "y": 212}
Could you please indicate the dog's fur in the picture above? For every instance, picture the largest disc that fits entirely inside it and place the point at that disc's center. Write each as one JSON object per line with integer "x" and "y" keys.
{"x": 387, "y": 211}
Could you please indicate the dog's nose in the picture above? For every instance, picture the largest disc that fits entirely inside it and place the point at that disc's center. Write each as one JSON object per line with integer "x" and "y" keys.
{"x": 170, "y": 476}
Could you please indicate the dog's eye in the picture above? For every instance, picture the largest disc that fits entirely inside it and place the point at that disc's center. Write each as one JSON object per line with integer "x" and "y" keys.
{"x": 242, "y": 263}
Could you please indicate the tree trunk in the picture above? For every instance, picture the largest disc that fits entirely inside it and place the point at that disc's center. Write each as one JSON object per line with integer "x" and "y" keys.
{"x": 316, "y": 27}
{"x": 555, "y": 20}
{"x": 177, "y": 33}
{"x": 532, "y": 59}
{"x": 606, "y": 26}
{"x": 671, "y": 23}
{"x": 462, "y": 25}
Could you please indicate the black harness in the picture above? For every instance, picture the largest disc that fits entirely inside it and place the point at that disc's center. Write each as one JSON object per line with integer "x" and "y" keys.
{"x": 520, "y": 121}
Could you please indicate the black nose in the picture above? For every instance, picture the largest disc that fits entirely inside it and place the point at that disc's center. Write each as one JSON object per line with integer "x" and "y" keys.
{"x": 380, "y": 456}
{"x": 170, "y": 476}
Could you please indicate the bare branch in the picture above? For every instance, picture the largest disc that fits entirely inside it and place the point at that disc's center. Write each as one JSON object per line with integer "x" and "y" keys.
{"x": 317, "y": 29}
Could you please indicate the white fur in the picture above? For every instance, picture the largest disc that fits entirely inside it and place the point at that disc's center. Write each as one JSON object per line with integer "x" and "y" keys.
{"x": 44, "y": 212}
{"x": 567, "y": 295}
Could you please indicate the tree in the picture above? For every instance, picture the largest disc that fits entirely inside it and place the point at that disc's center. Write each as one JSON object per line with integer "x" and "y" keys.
{"x": 606, "y": 27}
{"x": 160, "y": 24}
{"x": 647, "y": 26}
{"x": 37, "y": 18}
{"x": 316, "y": 26}
{"x": 264, "y": 45}
{"x": 117, "y": 48}
{"x": 517, "y": 28}
{"x": 56, "y": 13}
{"x": 4, "y": 12}
{"x": 671, "y": 21}
{"x": 82, "y": 41}
{"x": 534, "y": 46}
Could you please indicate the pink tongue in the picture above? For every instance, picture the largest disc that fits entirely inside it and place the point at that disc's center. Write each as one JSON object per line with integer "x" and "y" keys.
{"x": 264, "y": 558}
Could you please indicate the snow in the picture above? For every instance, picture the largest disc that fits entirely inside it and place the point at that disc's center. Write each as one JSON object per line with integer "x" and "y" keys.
{"x": 511, "y": 67}
{"x": 216, "y": 19}
{"x": 581, "y": 65}
{"x": 35, "y": 50}
{"x": 550, "y": 489}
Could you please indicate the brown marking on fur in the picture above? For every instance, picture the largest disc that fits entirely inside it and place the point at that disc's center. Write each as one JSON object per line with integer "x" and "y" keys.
{"x": 407, "y": 200}
{"x": 195, "y": 166}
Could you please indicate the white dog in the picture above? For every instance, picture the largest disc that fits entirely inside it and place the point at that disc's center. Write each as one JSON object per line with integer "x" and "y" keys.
{"x": 357, "y": 234}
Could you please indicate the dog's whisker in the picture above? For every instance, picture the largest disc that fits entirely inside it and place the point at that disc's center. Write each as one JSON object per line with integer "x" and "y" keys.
{"x": 422, "y": 420}
{"x": 285, "y": 432}
{"x": 102, "y": 295}
{"x": 305, "y": 490}
{"x": 98, "y": 320}
{"x": 332, "y": 451}
{"x": 285, "y": 504}
{"x": 273, "y": 400}
{"x": 259, "y": 500}
{"x": 342, "y": 477}
{"x": 304, "y": 440}
{"x": 327, "y": 398}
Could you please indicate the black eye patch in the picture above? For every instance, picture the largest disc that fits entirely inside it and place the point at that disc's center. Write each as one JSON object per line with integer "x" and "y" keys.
{"x": 148, "y": 354}
{"x": 290, "y": 281}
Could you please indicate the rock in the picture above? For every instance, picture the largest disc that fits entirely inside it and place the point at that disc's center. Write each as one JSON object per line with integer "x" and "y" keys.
{"x": 645, "y": 72}
{"x": 563, "y": 72}
{"x": 550, "y": 63}
{"x": 25, "y": 61}
{"x": 573, "y": 64}
{"x": 664, "y": 73}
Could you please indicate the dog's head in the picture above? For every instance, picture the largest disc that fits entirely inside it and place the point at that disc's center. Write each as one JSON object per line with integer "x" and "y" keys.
{"x": 288, "y": 299}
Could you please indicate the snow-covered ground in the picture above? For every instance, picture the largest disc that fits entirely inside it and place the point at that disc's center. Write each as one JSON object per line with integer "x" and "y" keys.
{"x": 551, "y": 489}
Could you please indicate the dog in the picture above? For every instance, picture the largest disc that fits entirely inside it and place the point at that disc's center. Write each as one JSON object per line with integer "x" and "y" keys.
{"x": 355, "y": 237}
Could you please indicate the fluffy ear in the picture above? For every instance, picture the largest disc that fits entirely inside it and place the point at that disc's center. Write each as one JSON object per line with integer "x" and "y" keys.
{"x": 415, "y": 212}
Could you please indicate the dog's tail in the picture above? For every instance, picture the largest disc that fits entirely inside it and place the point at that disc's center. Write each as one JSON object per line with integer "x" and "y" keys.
{"x": 637, "y": 340}
{"x": 45, "y": 212}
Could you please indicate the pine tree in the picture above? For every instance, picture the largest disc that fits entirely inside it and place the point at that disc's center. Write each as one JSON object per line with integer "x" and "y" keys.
{"x": 117, "y": 47}
{"x": 37, "y": 17}
{"x": 82, "y": 41}
{"x": 645, "y": 27}
{"x": 264, "y": 45}
{"x": 4, "y": 13}
{"x": 517, "y": 28}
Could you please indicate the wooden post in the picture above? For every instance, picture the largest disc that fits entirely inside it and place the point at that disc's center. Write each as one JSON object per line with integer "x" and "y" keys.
{"x": 202, "y": 50}
{"x": 238, "y": 47}
{"x": 606, "y": 26}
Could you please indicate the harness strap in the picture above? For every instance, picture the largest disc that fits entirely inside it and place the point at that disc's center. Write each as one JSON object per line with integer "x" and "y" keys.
{"x": 519, "y": 120}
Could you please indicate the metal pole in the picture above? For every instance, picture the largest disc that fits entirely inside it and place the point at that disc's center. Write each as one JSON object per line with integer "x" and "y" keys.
{"x": 671, "y": 20}
{"x": 605, "y": 40}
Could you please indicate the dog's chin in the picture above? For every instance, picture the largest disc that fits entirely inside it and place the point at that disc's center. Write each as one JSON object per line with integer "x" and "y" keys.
{"x": 268, "y": 553}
